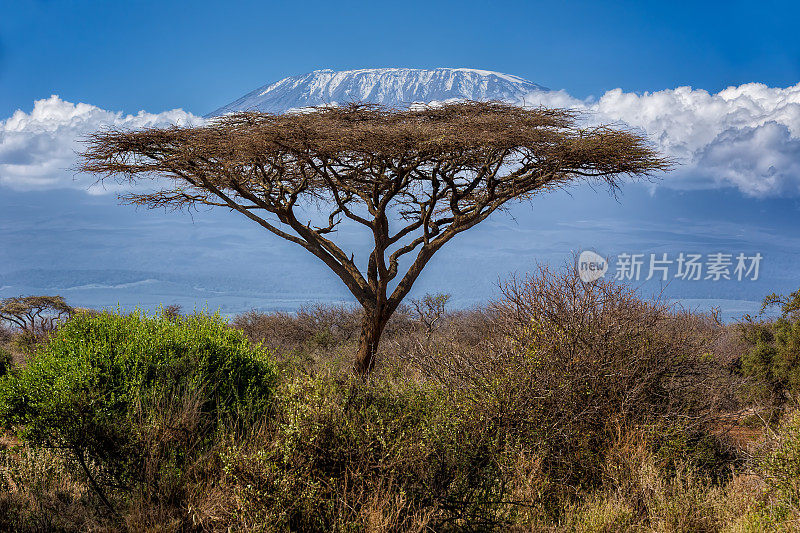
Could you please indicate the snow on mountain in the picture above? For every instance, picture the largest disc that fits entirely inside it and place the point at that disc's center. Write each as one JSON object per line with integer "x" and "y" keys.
{"x": 394, "y": 87}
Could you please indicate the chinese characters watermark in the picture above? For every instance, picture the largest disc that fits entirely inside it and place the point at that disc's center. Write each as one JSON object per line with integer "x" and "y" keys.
{"x": 663, "y": 267}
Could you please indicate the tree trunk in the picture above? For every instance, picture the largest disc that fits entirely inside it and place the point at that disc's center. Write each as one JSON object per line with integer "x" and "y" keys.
{"x": 371, "y": 329}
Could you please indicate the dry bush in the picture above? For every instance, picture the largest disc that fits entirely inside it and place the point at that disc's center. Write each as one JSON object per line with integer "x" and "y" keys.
{"x": 40, "y": 492}
{"x": 278, "y": 331}
{"x": 414, "y": 339}
{"x": 558, "y": 338}
{"x": 172, "y": 311}
{"x": 324, "y": 335}
{"x": 729, "y": 346}
{"x": 6, "y": 334}
{"x": 468, "y": 326}
{"x": 639, "y": 495}
{"x": 317, "y": 329}
{"x": 565, "y": 359}
{"x": 324, "y": 325}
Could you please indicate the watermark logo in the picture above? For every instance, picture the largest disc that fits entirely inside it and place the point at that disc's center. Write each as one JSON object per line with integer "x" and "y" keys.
{"x": 591, "y": 266}
{"x": 683, "y": 266}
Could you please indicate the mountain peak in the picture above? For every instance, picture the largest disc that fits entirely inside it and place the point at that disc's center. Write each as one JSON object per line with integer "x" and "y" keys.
{"x": 393, "y": 87}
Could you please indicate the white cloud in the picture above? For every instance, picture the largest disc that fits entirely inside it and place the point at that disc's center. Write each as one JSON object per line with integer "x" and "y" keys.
{"x": 37, "y": 149}
{"x": 746, "y": 137}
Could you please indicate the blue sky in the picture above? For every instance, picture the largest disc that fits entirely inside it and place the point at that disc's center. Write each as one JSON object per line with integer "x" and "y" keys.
{"x": 199, "y": 55}
{"x": 738, "y": 191}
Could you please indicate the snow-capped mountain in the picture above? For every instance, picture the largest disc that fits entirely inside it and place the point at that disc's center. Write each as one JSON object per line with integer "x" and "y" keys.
{"x": 395, "y": 87}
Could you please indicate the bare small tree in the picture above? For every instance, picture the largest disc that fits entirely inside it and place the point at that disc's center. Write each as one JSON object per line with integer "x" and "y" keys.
{"x": 429, "y": 311}
{"x": 413, "y": 178}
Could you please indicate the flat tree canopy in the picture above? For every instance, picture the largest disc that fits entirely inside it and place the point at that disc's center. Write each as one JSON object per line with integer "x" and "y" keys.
{"x": 34, "y": 314}
{"x": 414, "y": 178}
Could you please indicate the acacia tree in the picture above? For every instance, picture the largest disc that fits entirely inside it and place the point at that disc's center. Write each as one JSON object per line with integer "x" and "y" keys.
{"x": 414, "y": 178}
{"x": 35, "y": 314}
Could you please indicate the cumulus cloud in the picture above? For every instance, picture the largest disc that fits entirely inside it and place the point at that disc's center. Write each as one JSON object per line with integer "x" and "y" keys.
{"x": 37, "y": 149}
{"x": 746, "y": 137}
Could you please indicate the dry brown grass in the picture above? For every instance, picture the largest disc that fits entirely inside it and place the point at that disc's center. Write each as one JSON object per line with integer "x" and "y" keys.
{"x": 39, "y": 492}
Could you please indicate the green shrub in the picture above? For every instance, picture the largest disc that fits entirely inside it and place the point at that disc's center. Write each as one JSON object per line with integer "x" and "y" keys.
{"x": 116, "y": 389}
{"x": 773, "y": 361}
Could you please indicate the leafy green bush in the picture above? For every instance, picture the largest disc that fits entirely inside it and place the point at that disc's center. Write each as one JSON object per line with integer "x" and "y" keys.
{"x": 113, "y": 388}
{"x": 773, "y": 360}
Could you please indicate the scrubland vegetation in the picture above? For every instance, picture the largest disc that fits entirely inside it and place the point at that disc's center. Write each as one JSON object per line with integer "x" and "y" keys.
{"x": 560, "y": 407}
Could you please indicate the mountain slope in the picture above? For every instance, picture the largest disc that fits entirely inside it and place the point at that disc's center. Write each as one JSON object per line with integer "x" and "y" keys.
{"x": 394, "y": 87}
